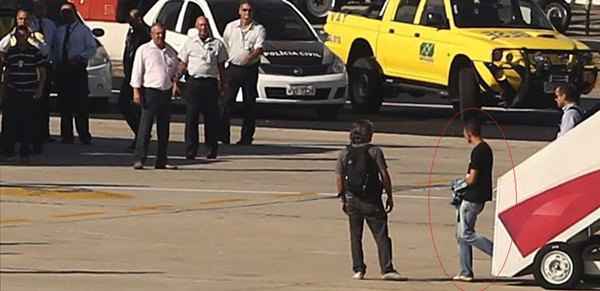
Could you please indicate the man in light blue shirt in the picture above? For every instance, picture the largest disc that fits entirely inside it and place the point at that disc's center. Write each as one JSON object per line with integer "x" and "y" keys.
{"x": 74, "y": 45}
{"x": 566, "y": 99}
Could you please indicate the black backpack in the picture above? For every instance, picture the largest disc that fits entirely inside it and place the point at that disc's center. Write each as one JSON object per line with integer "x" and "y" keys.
{"x": 361, "y": 174}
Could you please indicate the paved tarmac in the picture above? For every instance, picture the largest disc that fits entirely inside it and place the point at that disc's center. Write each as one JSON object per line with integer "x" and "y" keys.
{"x": 260, "y": 217}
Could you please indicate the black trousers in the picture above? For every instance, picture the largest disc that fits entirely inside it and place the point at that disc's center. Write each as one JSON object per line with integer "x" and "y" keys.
{"x": 201, "y": 96}
{"x": 155, "y": 106}
{"x": 246, "y": 78}
{"x": 73, "y": 91}
{"x": 376, "y": 218}
{"x": 41, "y": 115}
{"x": 131, "y": 112}
{"x": 18, "y": 121}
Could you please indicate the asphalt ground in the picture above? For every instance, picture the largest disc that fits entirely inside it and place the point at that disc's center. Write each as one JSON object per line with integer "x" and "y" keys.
{"x": 260, "y": 217}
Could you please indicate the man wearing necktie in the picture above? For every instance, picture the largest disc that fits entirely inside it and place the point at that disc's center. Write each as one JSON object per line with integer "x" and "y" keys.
{"x": 74, "y": 46}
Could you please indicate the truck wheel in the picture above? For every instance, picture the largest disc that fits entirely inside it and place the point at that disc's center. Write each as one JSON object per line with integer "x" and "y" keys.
{"x": 316, "y": 10}
{"x": 559, "y": 13}
{"x": 468, "y": 92}
{"x": 590, "y": 252}
{"x": 366, "y": 88}
{"x": 558, "y": 266}
{"x": 328, "y": 112}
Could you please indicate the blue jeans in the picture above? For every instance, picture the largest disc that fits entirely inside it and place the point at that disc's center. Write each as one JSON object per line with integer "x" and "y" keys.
{"x": 467, "y": 237}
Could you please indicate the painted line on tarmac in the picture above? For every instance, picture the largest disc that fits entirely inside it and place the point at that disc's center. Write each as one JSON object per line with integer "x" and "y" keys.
{"x": 228, "y": 191}
{"x": 278, "y": 193}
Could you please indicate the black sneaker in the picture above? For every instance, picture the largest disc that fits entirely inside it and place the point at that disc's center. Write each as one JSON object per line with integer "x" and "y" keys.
{"x": 244, "y": 142}
{"x": 138, "y": 166}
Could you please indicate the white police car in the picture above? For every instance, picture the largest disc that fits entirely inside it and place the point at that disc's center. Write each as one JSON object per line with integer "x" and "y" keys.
{"x": 296, "y": 68}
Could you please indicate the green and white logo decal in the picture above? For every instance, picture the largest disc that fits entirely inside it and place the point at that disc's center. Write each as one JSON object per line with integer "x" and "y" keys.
{"x": 427, "y": 51}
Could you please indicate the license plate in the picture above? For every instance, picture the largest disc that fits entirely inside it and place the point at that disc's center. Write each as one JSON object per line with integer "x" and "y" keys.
{"x": 300, "y": 91}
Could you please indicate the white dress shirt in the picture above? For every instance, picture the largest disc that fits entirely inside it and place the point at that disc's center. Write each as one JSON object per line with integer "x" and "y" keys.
{"x": 241, "y": 41}
{"x": 154, "y": 67}
{"x": 203, "y": 56}
{"x": 572, "y": 115}
{"x": 81, "y": 42}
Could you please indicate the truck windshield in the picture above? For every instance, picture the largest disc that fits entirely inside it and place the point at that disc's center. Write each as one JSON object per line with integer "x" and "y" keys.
{"x": 499, "y": 13}
{"x": 281, "y": 22}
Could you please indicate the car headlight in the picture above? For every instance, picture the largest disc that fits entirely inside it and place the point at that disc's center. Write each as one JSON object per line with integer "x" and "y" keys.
{"x": 336, "y": 67}
{"x": 100, "y": 58}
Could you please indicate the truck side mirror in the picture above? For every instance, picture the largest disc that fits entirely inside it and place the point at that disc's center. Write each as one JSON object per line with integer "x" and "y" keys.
{"x": 436, "y": 20}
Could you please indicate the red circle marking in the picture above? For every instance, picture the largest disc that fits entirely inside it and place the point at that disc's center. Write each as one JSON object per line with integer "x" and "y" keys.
{"x": 442, "y": 135}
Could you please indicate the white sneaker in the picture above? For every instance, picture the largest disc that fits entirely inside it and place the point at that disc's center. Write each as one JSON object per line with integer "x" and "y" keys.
{"x": 393, "y": 276}
{"x": 358, "y": 276}
{"x": 462, "y": 278}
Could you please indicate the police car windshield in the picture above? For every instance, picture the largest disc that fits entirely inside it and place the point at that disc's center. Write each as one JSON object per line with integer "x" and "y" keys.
{"x": 499, "y": 13}
{"x": 279, "y": 19}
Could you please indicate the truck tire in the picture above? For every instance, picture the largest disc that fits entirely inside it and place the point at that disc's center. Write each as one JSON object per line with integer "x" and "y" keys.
{"x": 315, "y": 10}
{"x": 559, "y": 9}
{"x": 365, "y": 86}
{"x": 591, "y": 248}
{"x": 558, "y": 266}
{"x": 469, "y": 94}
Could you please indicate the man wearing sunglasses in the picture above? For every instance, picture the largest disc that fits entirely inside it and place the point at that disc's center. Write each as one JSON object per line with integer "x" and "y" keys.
{"x": 244, "y": 39}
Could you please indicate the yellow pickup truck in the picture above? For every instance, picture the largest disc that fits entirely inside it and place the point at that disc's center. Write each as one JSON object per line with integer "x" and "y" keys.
{"x": 473, "y": 52}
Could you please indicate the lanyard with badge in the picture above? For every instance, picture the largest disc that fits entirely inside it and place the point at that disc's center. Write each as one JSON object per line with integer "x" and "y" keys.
{"x": 245, "y": 43}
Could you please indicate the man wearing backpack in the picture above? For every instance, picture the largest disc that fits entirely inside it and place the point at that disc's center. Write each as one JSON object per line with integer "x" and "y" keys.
{"x": 566, "y": 99}
{"x": 361, "y": 173}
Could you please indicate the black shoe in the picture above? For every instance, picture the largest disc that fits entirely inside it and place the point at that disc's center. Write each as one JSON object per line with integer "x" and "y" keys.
{"x": 67, "y": 141}
{"x": 165, "y": 167}
{"x": 86, "y": 141}
{"x": 190, "y": 157}
{"x": 138, "y": 166}
{"x": 211, "y": 155}
{"x": 244, "y": 142}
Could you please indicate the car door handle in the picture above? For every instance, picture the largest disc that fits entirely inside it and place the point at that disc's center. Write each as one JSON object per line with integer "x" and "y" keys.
{"x": 417, "y": 34}
{"x": 391, "y": 30}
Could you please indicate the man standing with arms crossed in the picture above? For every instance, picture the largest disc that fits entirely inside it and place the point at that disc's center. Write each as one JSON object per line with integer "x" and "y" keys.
{"x": 154, "y": 82}
{"x": 479, "y": 179}
{"x": 203, "y": 57}
{"x": 244, "y": 38}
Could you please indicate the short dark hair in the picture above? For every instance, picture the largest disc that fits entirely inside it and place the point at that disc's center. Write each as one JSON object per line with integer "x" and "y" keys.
{"x": 362, "y": 131}
{"x": 473, "y": 126}
{"x": 571, "y": 92}
{"x": 158, "y": 24}
{"x": 242, "y": 2}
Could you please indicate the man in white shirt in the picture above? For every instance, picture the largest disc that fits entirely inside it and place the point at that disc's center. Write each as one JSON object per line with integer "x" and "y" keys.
{"x": 244, "y": 39}
{"x": 566, "y": 99}
{"x": 203, "y": 57}
{"x": 154, "y": 81}
{"x": 74, "y": 45}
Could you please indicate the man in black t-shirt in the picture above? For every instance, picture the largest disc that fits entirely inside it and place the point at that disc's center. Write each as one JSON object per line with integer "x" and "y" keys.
{"x": 479, "y": 179}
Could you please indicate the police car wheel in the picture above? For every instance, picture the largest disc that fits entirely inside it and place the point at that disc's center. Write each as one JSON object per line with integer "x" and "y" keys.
{"x": 558, "y": 266}
{"x": 468, "y": 92}
{"x": 316, "y": 10}
{"x": 365, "y": 86}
